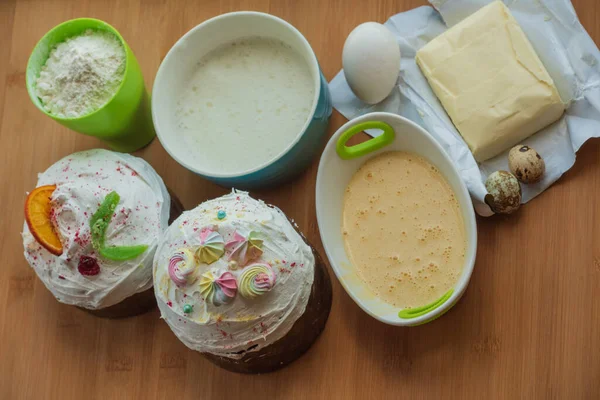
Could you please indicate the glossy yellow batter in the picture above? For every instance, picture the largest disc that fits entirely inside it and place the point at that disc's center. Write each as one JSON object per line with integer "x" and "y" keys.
{"x": 403, "y": 229}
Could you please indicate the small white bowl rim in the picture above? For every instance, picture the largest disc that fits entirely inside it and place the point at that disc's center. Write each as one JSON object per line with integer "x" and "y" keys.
{"x": 161, "y": 71}
{"x": 463, "y": 282}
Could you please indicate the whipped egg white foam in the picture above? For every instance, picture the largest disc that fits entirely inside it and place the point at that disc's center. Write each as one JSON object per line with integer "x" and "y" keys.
{"x": 82, "y": 182}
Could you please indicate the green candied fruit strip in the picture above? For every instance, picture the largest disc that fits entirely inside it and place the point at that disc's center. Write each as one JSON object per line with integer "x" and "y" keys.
{"x": 99, "y": 224}
{"x": 101, "y": 218}
{"x": 122, "y": 253}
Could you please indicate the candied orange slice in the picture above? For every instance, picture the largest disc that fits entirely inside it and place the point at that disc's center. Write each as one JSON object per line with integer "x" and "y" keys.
{"x": 37, "y": 215}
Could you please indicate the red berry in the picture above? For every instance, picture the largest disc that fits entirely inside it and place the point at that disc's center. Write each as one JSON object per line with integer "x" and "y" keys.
{"x": 88, "y": 266}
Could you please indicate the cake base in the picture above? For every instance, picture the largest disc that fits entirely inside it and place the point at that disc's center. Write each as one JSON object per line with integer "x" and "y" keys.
{"x": 140, "y": 302}
{"x": 176, "y": 207}
{"x": 297, "y": 341}
{"x": 137, "y": 304}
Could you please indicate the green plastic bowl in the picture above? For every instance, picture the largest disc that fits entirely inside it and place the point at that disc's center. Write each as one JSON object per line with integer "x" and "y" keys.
{"x": 125, "y": 121}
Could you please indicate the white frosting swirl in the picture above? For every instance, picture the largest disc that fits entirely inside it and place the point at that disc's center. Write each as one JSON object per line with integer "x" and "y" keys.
{"x": 83, "y": 180}
{"x": 244, "y": 324}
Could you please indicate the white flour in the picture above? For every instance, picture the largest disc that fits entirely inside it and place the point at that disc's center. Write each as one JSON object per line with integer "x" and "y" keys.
{"x": 81, "y": 74}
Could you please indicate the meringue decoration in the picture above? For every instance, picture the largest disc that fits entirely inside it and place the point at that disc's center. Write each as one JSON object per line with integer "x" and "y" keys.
{"x": 256, "y": 280}
{"x": 212, "y": 246}
{"x": 181, "y": 267}
{"x": 228, "y": 284}
{"x": 243, "y": 250}
{"x": 218, "y": 291}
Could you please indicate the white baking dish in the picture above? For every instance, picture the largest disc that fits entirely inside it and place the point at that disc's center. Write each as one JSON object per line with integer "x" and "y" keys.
{"x": 333, "y": 177}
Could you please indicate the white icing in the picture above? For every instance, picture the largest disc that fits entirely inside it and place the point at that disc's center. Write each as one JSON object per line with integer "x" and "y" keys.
{"x": 235, "y": 327}
{"x": 83, "y": 180}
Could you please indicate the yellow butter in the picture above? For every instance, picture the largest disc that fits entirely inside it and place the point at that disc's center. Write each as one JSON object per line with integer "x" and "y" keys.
{"x": 491, "y": 82}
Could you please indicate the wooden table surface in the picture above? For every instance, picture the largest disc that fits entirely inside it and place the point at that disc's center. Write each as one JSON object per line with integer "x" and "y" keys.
{"x": 527, "y": 326}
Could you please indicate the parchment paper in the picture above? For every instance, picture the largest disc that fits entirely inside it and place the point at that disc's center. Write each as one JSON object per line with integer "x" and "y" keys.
{"x": 563, "y": 45}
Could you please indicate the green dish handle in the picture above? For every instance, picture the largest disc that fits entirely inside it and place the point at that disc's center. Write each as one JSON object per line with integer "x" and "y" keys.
{"x": 359, "y": 150}
{"x": 411, "y": 313}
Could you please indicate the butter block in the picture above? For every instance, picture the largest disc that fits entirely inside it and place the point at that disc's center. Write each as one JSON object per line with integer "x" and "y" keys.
{"x": 490, "y": 81}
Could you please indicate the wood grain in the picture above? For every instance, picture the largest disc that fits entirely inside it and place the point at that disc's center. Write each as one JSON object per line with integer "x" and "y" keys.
{"x": 527, "y": 326}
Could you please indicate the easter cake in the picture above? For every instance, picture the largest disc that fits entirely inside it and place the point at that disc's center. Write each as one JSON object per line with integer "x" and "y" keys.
{"x": 236, "y": 281}
{"x": 91, "y": 229}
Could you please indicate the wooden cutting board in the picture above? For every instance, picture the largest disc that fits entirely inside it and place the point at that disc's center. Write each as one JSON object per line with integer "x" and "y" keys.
{"x": 527, "y": 326}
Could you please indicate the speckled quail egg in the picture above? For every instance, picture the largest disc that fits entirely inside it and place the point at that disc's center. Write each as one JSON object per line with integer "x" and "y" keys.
{"x": 526, "y": 164}
{"x": 504, "y": 192}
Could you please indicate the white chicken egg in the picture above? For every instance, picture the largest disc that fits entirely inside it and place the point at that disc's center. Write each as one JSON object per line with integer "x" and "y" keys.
{"x": 371, "y": 62}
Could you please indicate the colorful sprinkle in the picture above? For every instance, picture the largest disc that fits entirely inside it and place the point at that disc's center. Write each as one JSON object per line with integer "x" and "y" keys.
{"x": 187, "y": 308}
{"x": 233, "y": 265}
{"x": 221, "y": 214}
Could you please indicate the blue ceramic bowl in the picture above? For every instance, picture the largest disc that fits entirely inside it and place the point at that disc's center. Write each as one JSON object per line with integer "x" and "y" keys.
{"x": 297, "y": 156}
